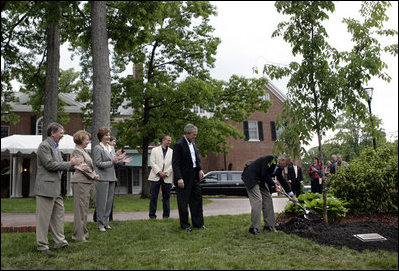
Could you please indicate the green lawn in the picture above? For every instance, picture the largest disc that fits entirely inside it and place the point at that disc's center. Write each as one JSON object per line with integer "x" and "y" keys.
{"x": 161, "y": 244}
{"x": 126, "y": 203}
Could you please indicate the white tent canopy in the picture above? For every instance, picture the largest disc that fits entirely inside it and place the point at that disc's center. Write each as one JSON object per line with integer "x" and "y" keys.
{"x": 27, "y": 144}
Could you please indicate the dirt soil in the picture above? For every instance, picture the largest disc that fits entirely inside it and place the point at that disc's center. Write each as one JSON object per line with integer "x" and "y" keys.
{"x": 340, "y": 233}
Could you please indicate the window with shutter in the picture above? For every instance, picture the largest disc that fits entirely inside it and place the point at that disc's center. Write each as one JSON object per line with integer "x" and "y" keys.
{"x": 273, "y": 130}
{"x": 260, "y": 129}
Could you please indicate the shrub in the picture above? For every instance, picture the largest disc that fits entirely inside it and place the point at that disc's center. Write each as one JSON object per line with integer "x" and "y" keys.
{"x": 314, "y": 201}
{"x": 370, "y": 182}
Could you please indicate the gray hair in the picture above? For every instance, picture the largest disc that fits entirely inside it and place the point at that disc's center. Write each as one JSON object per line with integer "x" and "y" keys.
{"x": 189, "y": 128}
{"x": 282, "y": 156}
{"x": 53, "y": 128}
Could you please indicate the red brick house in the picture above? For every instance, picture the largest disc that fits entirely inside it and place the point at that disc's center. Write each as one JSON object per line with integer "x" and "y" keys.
{"x": 260, "y": 133}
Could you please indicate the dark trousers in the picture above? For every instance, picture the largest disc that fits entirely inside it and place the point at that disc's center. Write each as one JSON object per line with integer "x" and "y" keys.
{"x": 166, "y": 187}
{"x": 316, "y": 187}
{"x": 296, "y": 187}
{"x": 190, "y": 195}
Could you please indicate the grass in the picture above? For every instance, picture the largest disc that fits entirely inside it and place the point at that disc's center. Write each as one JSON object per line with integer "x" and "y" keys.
{"x": 161, "y": 244}
{"x": 125, "y": 203}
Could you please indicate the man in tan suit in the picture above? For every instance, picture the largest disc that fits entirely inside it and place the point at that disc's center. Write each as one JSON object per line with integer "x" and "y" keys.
{"x": 49, "y": 202}
{"x": 161, "y": 175}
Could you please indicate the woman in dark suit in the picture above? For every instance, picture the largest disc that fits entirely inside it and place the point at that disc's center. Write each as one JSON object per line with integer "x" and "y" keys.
{"x": 105, "y": 158}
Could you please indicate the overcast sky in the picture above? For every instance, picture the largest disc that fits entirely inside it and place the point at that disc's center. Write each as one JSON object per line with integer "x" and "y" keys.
{"x": 246, "y": 27}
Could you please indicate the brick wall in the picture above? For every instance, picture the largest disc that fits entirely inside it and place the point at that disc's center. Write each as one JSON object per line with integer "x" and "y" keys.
{"x": 242, "y": 150}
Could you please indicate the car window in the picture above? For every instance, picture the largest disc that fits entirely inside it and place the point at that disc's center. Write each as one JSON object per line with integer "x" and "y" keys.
{"x": 223, "y": 177}
{"x": 211, "y": 178}
{"x": 236, "y": 176}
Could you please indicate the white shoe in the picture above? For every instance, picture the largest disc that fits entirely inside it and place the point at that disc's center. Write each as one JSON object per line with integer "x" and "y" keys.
{"x": 102, "y": 229}
{"x": 108, "y": 227}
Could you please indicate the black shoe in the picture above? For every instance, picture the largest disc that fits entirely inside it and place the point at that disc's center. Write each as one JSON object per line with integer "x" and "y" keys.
{"x": 188, "y": 229}
{"x": 45, "y": 251}
{"x": 203, "y": 227}
{"x": 270, "y": 228}
{"x": 65, "y": 245}
{"x": 254, "y": 231}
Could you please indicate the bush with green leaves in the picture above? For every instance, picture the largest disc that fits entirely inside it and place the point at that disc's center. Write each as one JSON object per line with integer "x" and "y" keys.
{"x": 336, "y": 208}
{"x": 370, "y": 182}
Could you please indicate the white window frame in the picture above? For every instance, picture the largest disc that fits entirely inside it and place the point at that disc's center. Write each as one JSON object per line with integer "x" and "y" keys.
{"x": 39, "y": 126}
{"x": 253, "y": 130}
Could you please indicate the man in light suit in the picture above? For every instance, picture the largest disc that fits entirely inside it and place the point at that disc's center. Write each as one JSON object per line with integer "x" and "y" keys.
{"x": 161, "y": 174}
{"x": 49, "y": 202}
{"x": 187, "y": 173}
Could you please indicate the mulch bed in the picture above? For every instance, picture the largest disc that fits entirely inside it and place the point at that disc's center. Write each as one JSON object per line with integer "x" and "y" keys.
{"x": 341, "y": 233}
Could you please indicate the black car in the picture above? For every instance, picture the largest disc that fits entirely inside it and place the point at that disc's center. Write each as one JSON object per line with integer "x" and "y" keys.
{"x": 223, "y": 183}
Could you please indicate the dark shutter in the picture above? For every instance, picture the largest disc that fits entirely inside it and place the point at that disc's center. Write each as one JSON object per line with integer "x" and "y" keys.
{"x": 33, "y": 125}
{"x": 246, "y": 130}
{"x": 273, "y": 129}
{"x": 260, "y": 129}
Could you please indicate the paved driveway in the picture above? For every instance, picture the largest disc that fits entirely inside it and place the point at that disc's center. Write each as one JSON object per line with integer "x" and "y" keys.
{"x": 219, "y": 206}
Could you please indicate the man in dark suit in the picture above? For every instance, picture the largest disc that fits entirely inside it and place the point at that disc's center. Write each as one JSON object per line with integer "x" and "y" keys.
{"x": 187, "y": 173}
{"x": 295, "y": 177}
{"x": 258, "y": 177}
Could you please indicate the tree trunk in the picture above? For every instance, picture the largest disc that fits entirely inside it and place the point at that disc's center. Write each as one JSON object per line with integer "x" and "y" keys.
{"x": 101, "y": 69}
{"x": 324, "y": 192}
{"x": 50, "y": 110}
{"x": 145, "y": 187}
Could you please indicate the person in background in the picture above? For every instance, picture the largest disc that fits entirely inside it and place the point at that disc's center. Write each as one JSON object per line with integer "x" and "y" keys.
{"x": 187, "y": 173}
{"x": 333, "y": 164}
{"x": 327, "y": 169}
{"x": 315, "y": 173}
{"x": 295, "y": 177}
{"x": 340, "y": 162}
{"x": 49, "y": 202}
{"x": 161, "y": 175}
{"x": 82, "y": 182}
{"x": 104, "y": 158}
{"x": 258, "y": 177}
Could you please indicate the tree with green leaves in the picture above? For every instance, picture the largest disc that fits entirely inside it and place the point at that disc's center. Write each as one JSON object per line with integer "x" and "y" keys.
{"x": 326, "y": 81}
{"x": 31, "y": 29}
{"x": 173, "y": 49}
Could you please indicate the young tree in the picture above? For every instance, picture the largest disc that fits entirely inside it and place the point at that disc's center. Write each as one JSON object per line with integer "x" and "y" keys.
{"x": 326, "y": 81}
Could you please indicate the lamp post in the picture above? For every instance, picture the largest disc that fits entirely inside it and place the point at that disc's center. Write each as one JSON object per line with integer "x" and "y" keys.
{"x": 370, "y": 96}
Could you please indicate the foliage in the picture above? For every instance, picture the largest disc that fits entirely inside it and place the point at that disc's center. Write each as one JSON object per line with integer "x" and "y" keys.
{"x": 350, "y": 140}
{"x": 336, "y": 208}
{"x": 370, "y": 182}
{"x": 24, "y": 51}
{"x": 326, "y": 81}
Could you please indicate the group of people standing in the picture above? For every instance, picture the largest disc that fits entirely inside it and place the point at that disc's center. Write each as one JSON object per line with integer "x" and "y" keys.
{"x": 316, "y": 172}
{"x": 181, "y": 166}
{"x": 86, "y": 171}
